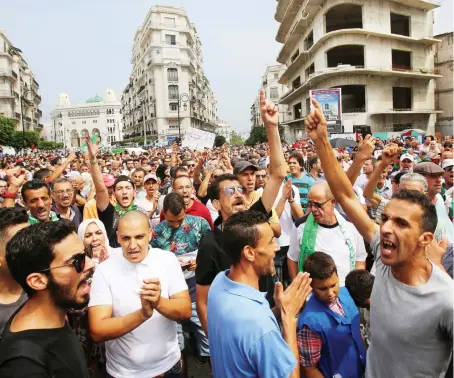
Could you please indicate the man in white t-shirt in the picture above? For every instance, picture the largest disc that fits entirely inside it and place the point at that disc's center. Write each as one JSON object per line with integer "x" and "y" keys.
{"x": 334, "y": 235}
{"x": 137, "y": 297}
{"x": 150, "y": 201}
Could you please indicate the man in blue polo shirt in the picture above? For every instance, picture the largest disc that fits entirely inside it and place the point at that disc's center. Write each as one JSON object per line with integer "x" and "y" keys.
{"x": 243, "y": 332}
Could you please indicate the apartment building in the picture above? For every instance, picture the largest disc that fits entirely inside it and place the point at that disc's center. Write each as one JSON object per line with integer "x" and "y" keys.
{"x": 443, "y": 91}
{"x": 101, "y": 116}
{"x": 223, "y": 129}
{"x": 168, "y": 90}
{"x": 19, "y": 98}
{"x": 379, "y": 52}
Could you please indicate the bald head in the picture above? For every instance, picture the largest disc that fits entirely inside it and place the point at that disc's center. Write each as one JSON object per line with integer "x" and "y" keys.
{"x": 321, "y": 189}
{"x": 135, "y": 216}
{"x": 134, "y": 234}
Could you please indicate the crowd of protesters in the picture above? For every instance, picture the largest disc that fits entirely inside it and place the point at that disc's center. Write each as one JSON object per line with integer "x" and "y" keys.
{"x": 270, "y": 261}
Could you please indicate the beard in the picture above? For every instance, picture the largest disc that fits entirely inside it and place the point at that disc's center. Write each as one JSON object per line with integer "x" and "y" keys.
{"x": 63, "y": 298}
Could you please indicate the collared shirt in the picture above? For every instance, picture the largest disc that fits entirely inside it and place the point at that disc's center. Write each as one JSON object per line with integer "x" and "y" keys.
{"x": 152, "y": 348}
{"x": 310, "y": 343}
{"x": 243, "y": 331}
{"x": 74, "y": 214}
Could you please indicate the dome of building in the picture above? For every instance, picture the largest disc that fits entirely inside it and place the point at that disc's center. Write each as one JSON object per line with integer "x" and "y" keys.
{"x": 109, "y": 96}
{"x": 92, "y": 100}
{"x": 63, "y": 100}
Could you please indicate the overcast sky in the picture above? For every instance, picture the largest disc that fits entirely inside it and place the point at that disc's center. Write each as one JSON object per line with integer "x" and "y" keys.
{"x": 82, "y": 47}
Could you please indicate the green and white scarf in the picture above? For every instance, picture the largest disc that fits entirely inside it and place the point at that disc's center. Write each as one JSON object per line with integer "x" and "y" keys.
{"x": 53, "y": 217}
{"x": 310, "y": 236}
{"x": 121, "y": 211}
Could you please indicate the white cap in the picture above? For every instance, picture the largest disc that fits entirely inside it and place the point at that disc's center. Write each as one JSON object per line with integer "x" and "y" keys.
{"x": 447, "y": 163}
{"x": 407, "y": 156}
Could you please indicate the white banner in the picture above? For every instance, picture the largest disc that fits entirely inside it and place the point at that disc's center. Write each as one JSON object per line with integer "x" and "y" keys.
{"x": 351, "y": 136}
{"x": 197, "y": 139}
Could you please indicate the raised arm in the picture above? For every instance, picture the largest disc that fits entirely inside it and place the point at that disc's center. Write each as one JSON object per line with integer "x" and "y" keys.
{"x": 102, "y": 195}
{"x": 16, "y": 178}
{"x": 365, "y": 149}
{"x": 270, "y": 117}
{"x": 203, "y": 189}
{"x": 388, "y": 156}
{"x": 338, "y": 181}
{"x": 198, "y": 170}
{"x": 59, "y": 170}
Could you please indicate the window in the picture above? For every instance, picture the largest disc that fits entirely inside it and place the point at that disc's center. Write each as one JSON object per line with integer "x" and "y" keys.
{"x": 274, "y": 93}
{"x": 95, "y": 121}
{"x": 73, "y": 122}
{"x": 296, "y": 83}
{"x": 401, "y": 60}
{"x": 168, "y": 21}
{"x": 173, "y": 106}
{"x": 310, "y": 70}
{"x": 309, "y": 41}
{"x": 84, "y": 122}
{"x": 400, "y": 24}
{"x": 173, "y": 92}
{"x": 173, "y": 126}
{"x": 276, "y": 76}
{"x": 297, "y": 110}
{"x": 171, "y": 39}
{"x": 294, "y": 56}
{"x": 402, "y": 98}
{"x": 172, "y": 74}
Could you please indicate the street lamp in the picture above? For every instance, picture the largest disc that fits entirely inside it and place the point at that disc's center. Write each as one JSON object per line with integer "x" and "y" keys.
{"x": 24, "y": 93}
{"x": 183, "y": 99}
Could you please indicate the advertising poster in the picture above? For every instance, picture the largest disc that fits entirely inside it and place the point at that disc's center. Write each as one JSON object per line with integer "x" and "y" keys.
{"x": 330, "y": 100}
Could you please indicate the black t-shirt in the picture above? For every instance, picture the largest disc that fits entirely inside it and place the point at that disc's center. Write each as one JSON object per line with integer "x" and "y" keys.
{"x": 65, "y": 354}
{"x": 7, "y": 310}
{"x": 211, "y": 259}
{"x": 107, "y": 218}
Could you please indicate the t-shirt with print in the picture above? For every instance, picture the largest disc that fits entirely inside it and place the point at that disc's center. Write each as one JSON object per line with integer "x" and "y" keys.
{"x": 411, "y": 325}
{"x": 185, "y": 240}
{"x": 304, "y": 185}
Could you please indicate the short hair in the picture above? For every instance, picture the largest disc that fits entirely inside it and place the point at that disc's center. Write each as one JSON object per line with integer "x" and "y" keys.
{"x": 83, "y": 165}
{"x": 398, "y": 176}
{"x": 447, "y": 144}
{"x": 414, "y": 177}
{"x": 59, "y": 181}
{"x": 299, "y": 159}
{"x": 214, "y": 191}
{"x": 176, "y": 178}
{"x": 429, "y": 214}
{"x": 11, "y": 216}
{"x": 140, "y": 170}
{"x": 320, "y": 265}
{"x": 175, "y": 170}
{"x": 31, "y": 250}
{"x": 312, "y": 160}
{"x": 174, "y": 203}
{"x": 186, "y": 161}
{"x": 429, "y": 136}
{"x": 359, "y": 283}
{"x": 241, "y": 230}
{"x": 34, "y": 185}
{"x": 42, "y": 174}
{"x": 373, "y": 161}
{"x": 55, "y": 160}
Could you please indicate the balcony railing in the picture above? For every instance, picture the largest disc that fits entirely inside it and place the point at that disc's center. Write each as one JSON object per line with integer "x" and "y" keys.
{"x": 28, "y": 119}
{"x": 14, "y": 74}
{"x": 35, "y": 83}
{"x": 39, "y": 112}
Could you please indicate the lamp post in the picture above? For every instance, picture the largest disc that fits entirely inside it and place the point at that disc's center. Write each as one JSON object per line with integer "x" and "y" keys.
{"x": 183, "y": 99}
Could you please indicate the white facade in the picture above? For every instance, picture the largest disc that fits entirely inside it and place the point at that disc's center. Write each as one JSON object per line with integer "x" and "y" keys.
{"x": 19, "y": 98}
{"x": 223, "y": 128}
{"x": 167, "y": 72}
{"x": 98, "y": 116}
{"x": 380, "y": 52}
{"x": 444, "y": 86}
{"x": 273, "y": 92}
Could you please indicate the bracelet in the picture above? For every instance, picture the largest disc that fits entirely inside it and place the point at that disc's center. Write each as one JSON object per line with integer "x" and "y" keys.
{"x": 291, "y": 201}
{"x": 93, "y": 162}
{"x": 10, "y": 195}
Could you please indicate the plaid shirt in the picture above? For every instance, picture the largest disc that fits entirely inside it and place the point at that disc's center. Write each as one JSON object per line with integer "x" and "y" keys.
{"x": 310, "y": 343}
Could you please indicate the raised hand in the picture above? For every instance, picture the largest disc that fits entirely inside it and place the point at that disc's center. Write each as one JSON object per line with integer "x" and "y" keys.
{"x": 366, "y": 146}
{"x": 389, "y": 154}
{"x": 71, "y": 157}
{"x": 287, "y": 191}
{"x": 293, "y": 298}
{"x": 92, "y": 148}
{"x": 269, "y": 111}
{"x": 316, "y": 126}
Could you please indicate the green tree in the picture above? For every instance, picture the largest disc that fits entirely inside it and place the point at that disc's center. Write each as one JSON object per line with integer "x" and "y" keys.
{"x": 219, "y": 141}
{"x": 257, "y": 135}
{"x": 236, "y": 139}
{"x": 25, "y": 139}
{"x": 7, "y": 127}
{"x": 49, "y": 145}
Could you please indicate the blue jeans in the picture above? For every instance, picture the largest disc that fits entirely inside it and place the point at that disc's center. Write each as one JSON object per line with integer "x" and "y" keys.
{"x": 195, "y": 326}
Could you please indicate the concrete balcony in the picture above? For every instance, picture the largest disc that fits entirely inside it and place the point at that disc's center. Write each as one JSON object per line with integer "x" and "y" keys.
{"x": 305, "y": 54}
{"x": 321, "y": 75}
{"x": 405, "y": 111}
{"x": 420, "y": 4}
{"x": 280, "y": 9}
{"x": 7, "y": 94}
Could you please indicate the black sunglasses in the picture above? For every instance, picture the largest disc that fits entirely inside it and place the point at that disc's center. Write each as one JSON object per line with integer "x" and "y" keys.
{"x": 317, "y": 205}
{"x": 230, "y": 190}
{"x": 78, "y": 263}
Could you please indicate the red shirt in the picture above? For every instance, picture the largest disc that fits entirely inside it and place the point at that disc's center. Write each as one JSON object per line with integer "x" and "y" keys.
{"x": 198, "y": 209}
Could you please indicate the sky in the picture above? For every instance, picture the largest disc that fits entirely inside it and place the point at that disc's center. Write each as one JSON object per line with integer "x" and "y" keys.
{"x": 83, "y": 47}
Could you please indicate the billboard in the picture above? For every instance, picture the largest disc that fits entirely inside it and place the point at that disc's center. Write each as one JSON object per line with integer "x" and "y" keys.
{"x": 197, "y": 139}
{"x": 330, "y": 101}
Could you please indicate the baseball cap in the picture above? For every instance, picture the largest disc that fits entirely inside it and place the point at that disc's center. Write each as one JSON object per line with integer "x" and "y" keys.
{"x": 109, "y": 180}
{"x": 428, "y": 168}
{"x": 407, "y": 156}
{"x": 123, "y": 178}
{"x": 242, "y": 165}
{"x": 150, "y": 176}
{"x": 447, "y": 163}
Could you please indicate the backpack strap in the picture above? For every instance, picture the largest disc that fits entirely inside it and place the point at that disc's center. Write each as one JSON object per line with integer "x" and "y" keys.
{"x": 29, "y": 350}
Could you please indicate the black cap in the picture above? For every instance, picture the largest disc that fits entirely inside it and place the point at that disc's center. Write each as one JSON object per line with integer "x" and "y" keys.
{"x": 124, "y": 178}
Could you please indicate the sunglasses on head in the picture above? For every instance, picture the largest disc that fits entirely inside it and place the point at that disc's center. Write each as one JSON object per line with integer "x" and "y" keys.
{"x": 449, "y": 169}
{"x": 78, "y": 263}
{"x": 230, "y": 190}
{"x": 260, "y": 176}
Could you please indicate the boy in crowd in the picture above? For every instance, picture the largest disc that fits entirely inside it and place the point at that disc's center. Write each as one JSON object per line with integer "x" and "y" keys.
{"x": 329, "y": 334}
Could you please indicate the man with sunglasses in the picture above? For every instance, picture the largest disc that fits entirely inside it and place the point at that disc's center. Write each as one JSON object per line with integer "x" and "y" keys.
{"x": 261, "y": 177}
{"x": 190, "y": 164}
{"x": 228, "y": 198}
{"x": 325, "y": 230}
{"x": 49, "y": 262}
